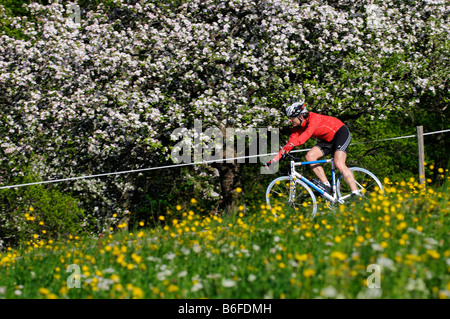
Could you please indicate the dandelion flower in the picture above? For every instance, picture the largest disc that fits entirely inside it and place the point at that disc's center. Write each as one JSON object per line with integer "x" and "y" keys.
{"x": 339, "y": 255}
{"x": 433, "y": 254}
{"x": 173, "y": 288}
{"x": 309, "y": 272}
{"x": 44, "y": 291}
{"x": 302, "y": 257}
{"x": 138, "y": 293}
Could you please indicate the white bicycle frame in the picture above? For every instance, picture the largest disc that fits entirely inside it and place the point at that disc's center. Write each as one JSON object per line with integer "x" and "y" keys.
{"x": 331, "y": 198}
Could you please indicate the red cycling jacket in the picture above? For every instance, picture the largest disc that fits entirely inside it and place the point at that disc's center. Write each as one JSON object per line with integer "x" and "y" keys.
{"x": 323, "y": 127}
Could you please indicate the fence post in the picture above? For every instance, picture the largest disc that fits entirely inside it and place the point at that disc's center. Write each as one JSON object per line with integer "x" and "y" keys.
{"x": 421, "y": 154}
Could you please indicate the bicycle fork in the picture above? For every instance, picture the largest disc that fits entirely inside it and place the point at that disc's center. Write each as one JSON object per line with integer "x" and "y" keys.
{"x": 292, "y": 191}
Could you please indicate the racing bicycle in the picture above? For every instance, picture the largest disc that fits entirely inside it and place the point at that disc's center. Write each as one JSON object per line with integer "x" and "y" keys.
{"x": 299, "y": 192}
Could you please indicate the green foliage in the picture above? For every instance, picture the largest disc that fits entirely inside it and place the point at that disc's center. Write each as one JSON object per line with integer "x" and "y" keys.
{"x": 147, "y": 212}
{"x": 395, "y": 159}
{"x": 37, "y": 212}
{"x": 398, "y": 158}
{"x": 15, "y": 7}
{"x": 383, "y": 82}
{"x": 12, "y": 8}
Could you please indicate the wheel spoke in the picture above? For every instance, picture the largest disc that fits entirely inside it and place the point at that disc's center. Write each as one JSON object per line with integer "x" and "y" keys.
{"x": 279, "y": 196}
{"x": 366, "y": 183}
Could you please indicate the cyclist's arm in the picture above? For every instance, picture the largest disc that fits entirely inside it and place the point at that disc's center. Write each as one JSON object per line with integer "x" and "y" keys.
{"x": 297, "y": 139}
{"x": 300, "y": 139}
{"x": 286, "y": 149}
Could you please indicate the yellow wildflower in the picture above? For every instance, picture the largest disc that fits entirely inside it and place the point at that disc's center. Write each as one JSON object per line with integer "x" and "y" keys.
{"x": 44, "y": 291}
{"x": 339, "y": 255}
{"x": 138, "y": 293}
{"x": 433, "y": 254}
{"x": 172, "y": 288}
{"x": 309, "y": 272}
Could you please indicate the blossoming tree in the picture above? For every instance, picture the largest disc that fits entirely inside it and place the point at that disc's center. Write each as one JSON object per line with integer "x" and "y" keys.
{"x": 105, "y": 95}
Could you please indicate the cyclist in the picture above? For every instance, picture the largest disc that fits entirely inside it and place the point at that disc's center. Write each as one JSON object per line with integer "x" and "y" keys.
{"x": 334, "y": 138}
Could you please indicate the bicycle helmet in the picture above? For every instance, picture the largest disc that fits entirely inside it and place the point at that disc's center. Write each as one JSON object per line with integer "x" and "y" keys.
{"x": 296, "y": 109}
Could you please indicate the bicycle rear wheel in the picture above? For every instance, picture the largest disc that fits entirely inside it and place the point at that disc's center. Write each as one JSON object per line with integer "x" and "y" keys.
{"x": 282, "y": 193}
{"x": 366, "y": 182}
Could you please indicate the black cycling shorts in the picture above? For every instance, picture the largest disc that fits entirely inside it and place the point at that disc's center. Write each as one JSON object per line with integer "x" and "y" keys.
{"x": 340, "y": 142}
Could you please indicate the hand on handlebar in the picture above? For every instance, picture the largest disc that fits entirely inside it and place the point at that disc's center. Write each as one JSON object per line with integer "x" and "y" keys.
{"x": 267, "y": 165}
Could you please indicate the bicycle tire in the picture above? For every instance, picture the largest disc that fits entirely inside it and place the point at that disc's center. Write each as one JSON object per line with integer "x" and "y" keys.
{"x": 278, "y": 196}
{"x": 366, "y": 182}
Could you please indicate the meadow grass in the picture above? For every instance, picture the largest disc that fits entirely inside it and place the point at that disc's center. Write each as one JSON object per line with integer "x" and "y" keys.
{"x": 253, "y": 254}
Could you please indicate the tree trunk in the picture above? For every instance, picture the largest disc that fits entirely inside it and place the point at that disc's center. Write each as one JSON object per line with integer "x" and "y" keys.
{"x": 230, "y": 180}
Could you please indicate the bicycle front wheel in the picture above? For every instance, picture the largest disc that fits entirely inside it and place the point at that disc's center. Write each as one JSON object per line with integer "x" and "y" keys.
{"x": 366, "y": 182}
{"x": 283, "y": 193}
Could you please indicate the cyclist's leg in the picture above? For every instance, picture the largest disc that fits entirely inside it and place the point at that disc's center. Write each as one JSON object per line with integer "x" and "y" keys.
{"x": 341, "y": 143}
{"x": 339, "y": 161}
{"x": 313, "y": 155}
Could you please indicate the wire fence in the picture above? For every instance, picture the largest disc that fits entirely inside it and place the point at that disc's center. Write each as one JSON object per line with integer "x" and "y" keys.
{"x": 190, "y": 164}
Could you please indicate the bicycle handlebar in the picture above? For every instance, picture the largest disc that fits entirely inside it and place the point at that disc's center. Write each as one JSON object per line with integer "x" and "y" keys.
{"x": 293, "y": 157}
{"x": 288, "y": 155}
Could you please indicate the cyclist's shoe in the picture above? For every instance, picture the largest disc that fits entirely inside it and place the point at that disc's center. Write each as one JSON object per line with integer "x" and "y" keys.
{"x": 354, "y": 197}
{"x": 358, "y": 194}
